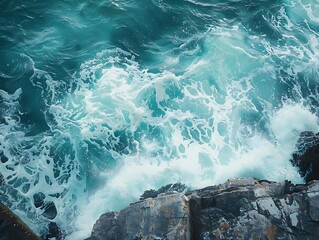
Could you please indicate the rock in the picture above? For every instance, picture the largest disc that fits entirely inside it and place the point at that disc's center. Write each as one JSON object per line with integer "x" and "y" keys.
{"x": 48, "y": 207}
{"x": 12, "y": 228}
{"x": 54, "y": 232}
{"x": 260, "y": 211}
{"x": 238, "y": 209}
{"x": 110, "y": 220}
{"x": 306, "y": 158}
{"x": 314, "y": 205}
{"x": 163, "y": 217}
{"x": 173, "y": 187}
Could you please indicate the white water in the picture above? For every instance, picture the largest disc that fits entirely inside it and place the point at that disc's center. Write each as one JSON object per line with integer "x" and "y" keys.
{"x": 233, "y": 107}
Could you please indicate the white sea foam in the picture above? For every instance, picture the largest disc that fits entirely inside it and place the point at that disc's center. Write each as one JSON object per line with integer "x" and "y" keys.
{"x": 235, "y": 110}
{"x": 203, "y": 136}
{"x": 198, "y": 166}
{"x": 204, "y": 140}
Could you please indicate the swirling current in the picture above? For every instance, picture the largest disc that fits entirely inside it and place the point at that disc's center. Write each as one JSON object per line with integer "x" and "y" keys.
{"x": 100, "y": 100}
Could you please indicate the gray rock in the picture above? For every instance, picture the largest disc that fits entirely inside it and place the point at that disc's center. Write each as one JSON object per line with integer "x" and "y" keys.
{"x": 238, "y": 209}
{"x": 174, "y": 187}
{"x": 163, "y": 217}
{"x": 110, "y": 220}
{"x": 306, "y": 157}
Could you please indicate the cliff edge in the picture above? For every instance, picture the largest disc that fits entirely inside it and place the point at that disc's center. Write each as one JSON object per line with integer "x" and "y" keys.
{"x": 238, "y": 209}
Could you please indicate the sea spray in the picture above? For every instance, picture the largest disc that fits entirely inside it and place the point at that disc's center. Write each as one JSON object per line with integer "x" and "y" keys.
{"x": 100, "y": 101}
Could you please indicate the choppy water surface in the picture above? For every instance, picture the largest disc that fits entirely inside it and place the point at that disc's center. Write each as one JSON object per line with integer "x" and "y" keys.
{"x": 100, "y": 100}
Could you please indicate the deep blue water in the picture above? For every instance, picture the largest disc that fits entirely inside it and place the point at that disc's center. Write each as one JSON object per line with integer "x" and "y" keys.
{"x": 100, "y": 100}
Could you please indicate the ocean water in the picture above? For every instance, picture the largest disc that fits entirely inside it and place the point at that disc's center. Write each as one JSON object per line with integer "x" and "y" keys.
{"x": 100, "y": 100}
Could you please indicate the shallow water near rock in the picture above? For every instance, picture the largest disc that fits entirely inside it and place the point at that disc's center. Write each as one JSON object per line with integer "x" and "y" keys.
{"x": 101, "y": 100}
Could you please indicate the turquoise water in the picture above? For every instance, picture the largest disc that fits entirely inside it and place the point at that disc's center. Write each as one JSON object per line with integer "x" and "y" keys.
{"x": 100, "y": 100}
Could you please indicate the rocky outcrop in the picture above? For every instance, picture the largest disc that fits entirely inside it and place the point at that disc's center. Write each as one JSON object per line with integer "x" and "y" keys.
{"x": 238, "y": 209}
{"x": 163, "y": 217}
{"x": 306, "y": 157}
{"x": 251, "y": 209}
{"x": 175, "y": 187}
{"x": 12, "y": 228}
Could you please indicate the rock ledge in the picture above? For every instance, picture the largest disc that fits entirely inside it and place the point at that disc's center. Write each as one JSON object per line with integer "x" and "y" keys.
{"x": 243, "y": 208}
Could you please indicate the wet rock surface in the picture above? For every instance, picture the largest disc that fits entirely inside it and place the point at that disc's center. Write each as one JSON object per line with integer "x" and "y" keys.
{"x": 12, "y": 228}
{"x": 306, "y": 157}
{"x": 251, "y": 209}
{"x": 238, "y": 209}
{"x": 163, "y": 217}
{"x": 152, "y": 193}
